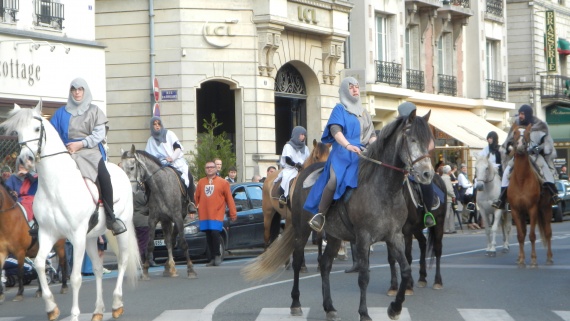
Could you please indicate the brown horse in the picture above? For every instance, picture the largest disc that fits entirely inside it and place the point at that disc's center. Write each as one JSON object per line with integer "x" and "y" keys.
{"x": 270, "y": 204}
{"x": 15, "y": 239}
{"x": 528, "y": 200}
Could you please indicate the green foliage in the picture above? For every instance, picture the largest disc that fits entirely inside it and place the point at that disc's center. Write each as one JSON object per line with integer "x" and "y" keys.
{"x": 210, "y": 146}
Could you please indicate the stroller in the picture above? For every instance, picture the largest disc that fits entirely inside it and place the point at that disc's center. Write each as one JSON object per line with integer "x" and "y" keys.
{"x": 10, "y": 273}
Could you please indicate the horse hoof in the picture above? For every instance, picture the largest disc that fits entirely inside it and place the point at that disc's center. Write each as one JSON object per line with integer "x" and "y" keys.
{"x": 506, "y": 250}
{"x": 296, "y": 312}
{"x": 342, "y": 257}
{"x": 303, "y": 270}
{"x": 392, "y": 314}
{"x": 145, "y": 278}
{"x": 54, "y": 314}
{"x": 332, "y": 316}
{"x": 63, "y": 291}
{"x": 491, "y": 254}
{"x": 549, "y": 262}
{"x": 192, "y": 275}
{"x": 438, "y": 286}
{"x": 170, "y": 274}
{"x": 2, "y": 298}
{"x": 409, "y": 292}
{"x": 534, "y": 266}
{"x": 421, "y": 284}
{"x": 365, "y": 318}
{"x": 392, "y": 293}
{"x": 97, "y": 317}
{"x": 522, "y": 266}
{"x": 118, "y": 312}
{"x": 18, "y": 298}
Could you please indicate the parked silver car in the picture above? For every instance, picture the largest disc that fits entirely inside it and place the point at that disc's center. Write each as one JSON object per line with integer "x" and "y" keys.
{"x": 558, "y": 211}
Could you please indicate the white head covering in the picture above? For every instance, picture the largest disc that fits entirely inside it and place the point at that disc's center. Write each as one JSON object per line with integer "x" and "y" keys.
{"x": 351, "y": 104}
{"x": 75, "y": 107}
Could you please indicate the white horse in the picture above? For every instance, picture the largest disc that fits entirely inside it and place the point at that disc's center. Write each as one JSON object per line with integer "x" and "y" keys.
{"x": 63, "y": 206}
{"x": 488, "y": 190}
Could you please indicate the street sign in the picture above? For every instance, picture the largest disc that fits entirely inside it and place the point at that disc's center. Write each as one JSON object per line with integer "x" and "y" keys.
{"x": 156, "y": 89}
{"x": 156, "y": 110}
{"x": 169, "y": 95}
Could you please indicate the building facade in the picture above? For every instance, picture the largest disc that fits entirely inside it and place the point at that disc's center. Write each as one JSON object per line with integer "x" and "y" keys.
{"x": 449, "y": 57}
{"x": 539, "y": 35}
{"x": 261, "y": 67}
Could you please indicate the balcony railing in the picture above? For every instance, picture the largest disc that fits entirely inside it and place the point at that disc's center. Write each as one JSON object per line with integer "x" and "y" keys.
{"x": 389, "y": 72}
{"x": 415, "y": 80}
{"x": 496, "y": 90}
{"x": 49, "y": 13}
{"x": 554, "y": 87}
{"x": 460, "y": 3}
{"x": 9, "y": 7}
{"x": 447, "y": 85}
{"x": 495, "y": 7}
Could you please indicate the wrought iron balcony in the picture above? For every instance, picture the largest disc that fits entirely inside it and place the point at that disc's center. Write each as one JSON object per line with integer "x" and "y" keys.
{"x": 447, "y": 85}
{"x": 554, "y": 87}
{"x": 9, "y": 7}
{"x": 415, "y": 79}
{"x": 389, "y": 72}
{"x": 49, "y": 13}
{"x": 460, "y": 3}
{"x": 495, "y": 7}
{"x": 496, "y": 90}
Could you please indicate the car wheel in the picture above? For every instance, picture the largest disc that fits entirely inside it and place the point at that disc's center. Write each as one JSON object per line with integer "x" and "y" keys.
{"x": 223, "y": 249}
{"x": 557, "y": 214}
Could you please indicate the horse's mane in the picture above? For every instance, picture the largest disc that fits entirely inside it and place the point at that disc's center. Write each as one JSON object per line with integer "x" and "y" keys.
{"x": 419, "y": 128}
{"x": 17, "y": 118}
{"x": 149, "y": 156}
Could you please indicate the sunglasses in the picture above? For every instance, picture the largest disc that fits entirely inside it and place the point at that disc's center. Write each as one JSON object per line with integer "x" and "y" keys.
{"x": 210, "y": 167}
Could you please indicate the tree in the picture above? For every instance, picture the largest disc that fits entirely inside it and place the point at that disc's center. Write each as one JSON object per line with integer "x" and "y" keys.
{"x": 210, "y": 146}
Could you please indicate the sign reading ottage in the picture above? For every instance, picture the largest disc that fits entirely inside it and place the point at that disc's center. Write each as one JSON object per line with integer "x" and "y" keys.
{"x": 550, "y": 44}
{"x": 169, "y": 94}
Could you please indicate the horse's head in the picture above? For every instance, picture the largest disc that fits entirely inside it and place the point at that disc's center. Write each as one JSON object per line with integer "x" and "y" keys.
{"x": 415, "y": 143}
{"x": 320, "y": 153}
{"x": 30, "y": 127}
{"x": 130, "y": 164}
{"x": 484, "y": 171}
{"x": 521, "y": 138}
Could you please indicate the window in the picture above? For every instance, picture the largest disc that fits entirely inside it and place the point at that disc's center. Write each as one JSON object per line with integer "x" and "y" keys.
{"x": 8, "y": 10}
{"x": 491, "y": 59}
{"x": 444, "y": 54}
{"x": 240, "y": 198}
{"x": 412, "y": 48}
{"x": 255, "y": 195}
{"x": 381, "y": 38}
{"x": 49, "y": 13}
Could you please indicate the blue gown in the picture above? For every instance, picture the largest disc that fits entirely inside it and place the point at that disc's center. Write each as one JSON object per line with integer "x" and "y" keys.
{"x": 344, "y": 162}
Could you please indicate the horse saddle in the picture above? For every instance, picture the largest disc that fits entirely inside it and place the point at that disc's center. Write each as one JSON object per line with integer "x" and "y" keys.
{"x": 438, "y": 195}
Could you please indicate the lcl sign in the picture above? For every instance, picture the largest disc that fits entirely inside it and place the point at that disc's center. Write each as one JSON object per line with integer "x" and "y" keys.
{"x": 308, "y": 15}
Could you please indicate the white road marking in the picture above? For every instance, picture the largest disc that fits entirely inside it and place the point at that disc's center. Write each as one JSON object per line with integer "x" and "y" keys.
{"x": 485, "y": 315}
{"x": 280, "y": 314}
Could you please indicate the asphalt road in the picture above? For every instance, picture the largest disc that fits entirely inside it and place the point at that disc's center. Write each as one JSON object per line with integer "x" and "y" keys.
{"x": 476, "y": 287}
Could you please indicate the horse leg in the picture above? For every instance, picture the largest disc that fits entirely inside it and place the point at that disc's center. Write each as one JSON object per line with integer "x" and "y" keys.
{"x": 20, "y": 295}
{"x": 62, "y": 260}
{"x": 393, "y": 275}
{"x": 169, "y": 266}
{"x": 493, "y": 229}
{"x": 325, "y": 263}
{"x": 396, "y": 246}
{"x": 298, "y": 259}
{"x": 2, "y": 260}
{"x": 420, "y": 237}
{"x": 438, "y": 249}
{"x": 46, "y": 244}
{"x": 506, "y": 220}
{"x": 93, "y": 253}
{"x": 521, "y": 235}
{"x": 191, "y": 274}
{"x": 547, "y": 231}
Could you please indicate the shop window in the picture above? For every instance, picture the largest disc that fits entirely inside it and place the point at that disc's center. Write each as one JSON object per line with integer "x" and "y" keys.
{"x": 49, "y": 13}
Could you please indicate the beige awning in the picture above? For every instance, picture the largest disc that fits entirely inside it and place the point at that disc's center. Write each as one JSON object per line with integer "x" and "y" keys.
{"x": 462, "y": 125}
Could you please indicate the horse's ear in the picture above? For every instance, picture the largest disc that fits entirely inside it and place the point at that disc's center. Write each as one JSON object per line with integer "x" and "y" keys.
{"x": 122, "y": 151}
{"x": 426, "y": 116}
{"x": 38, "y": 108}
{"x": 133, "y": 149}
{"x": 17, "y": 107}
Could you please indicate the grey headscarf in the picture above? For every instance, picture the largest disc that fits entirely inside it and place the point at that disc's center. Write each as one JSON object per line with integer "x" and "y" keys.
{"x": 158, "y": 135}
{"x": 75, "y": 107}
{"x": 295, "y": 142}
{"x": 406, "y": 108}
{"x": 351, "y": 104}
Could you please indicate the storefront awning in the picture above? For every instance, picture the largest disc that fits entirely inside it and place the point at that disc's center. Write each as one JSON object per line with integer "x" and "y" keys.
{"x": 462, "y": 125}
{"x": 563, "y": 46}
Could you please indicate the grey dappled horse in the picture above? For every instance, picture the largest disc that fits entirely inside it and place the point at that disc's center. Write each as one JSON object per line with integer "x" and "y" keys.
{"x": 414, "y": 228}
{"x": 375, "y": 211}
{"x": 488, "y": 190}
{"x": 167, "y": 202}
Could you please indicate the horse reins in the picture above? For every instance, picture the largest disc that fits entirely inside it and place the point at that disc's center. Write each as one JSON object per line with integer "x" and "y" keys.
{"x": 40, "y": 140}
{"x": 141, "y": 183}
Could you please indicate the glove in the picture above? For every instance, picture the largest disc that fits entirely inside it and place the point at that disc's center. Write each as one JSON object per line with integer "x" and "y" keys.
{"x": 536, "y": 150}
{"x": 289, "y": 161}
{"x": 299, "y": 166}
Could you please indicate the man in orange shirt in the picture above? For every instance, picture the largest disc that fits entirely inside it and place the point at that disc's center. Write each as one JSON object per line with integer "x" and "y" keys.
{"x": 212, "y": 196}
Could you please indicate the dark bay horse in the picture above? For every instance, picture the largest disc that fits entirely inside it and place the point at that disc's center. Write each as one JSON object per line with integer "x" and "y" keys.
{"x": 15, "y": 239}
{"x": 166, "y": 194}
{"x": 528, "y": 200}
{"x": 375, "y": 211}
{"x": 270, "y": 204}
{"x": 414, "y": 228}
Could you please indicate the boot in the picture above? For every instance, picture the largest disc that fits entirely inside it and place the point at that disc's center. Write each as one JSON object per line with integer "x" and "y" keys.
{"x": 34, "y": 230}
{"x": 500, "y": 203}
{"x": 318, "y": 221}
{"x": 191, "y": 204}
{"x": 553, "y": 192}
{"x": 429, "y": 220}
{"x": 114, "y": 224}
{"x": 151, "y": 262}
{"x": 354, "y": 267}
{"x": 282, "y": 199}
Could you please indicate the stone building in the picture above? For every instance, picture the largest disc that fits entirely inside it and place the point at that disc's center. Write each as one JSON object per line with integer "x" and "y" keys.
{"x": 539, "y": 35}
{"x": 262, "y": 67}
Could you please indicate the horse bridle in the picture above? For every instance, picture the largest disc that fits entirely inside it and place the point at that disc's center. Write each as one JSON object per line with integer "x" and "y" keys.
{"x": 406, "y": 170}
{"x": 489, "y": 168}
{"x": 40, "y": 139}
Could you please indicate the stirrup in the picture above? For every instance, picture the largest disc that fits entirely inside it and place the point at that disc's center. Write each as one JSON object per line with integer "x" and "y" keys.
{"x": 191, "y": 208}
{"x": 314, "y": 224}
{"x": 428, "y": 216}
{"x": 117, "y": 227}
{"x": 497, "y": 204}
{"x": 282, "y": 200}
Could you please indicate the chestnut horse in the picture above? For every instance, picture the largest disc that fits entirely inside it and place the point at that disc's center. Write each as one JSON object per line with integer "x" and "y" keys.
{"x": 528, "y": 200}
{"x": 15, "y": 239}
{"x": 270, "y": 204}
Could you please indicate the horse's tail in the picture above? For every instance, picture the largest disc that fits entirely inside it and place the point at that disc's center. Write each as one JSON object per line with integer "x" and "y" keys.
{"x": 271, "y": 260}
{"x": 134, "y": 262}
